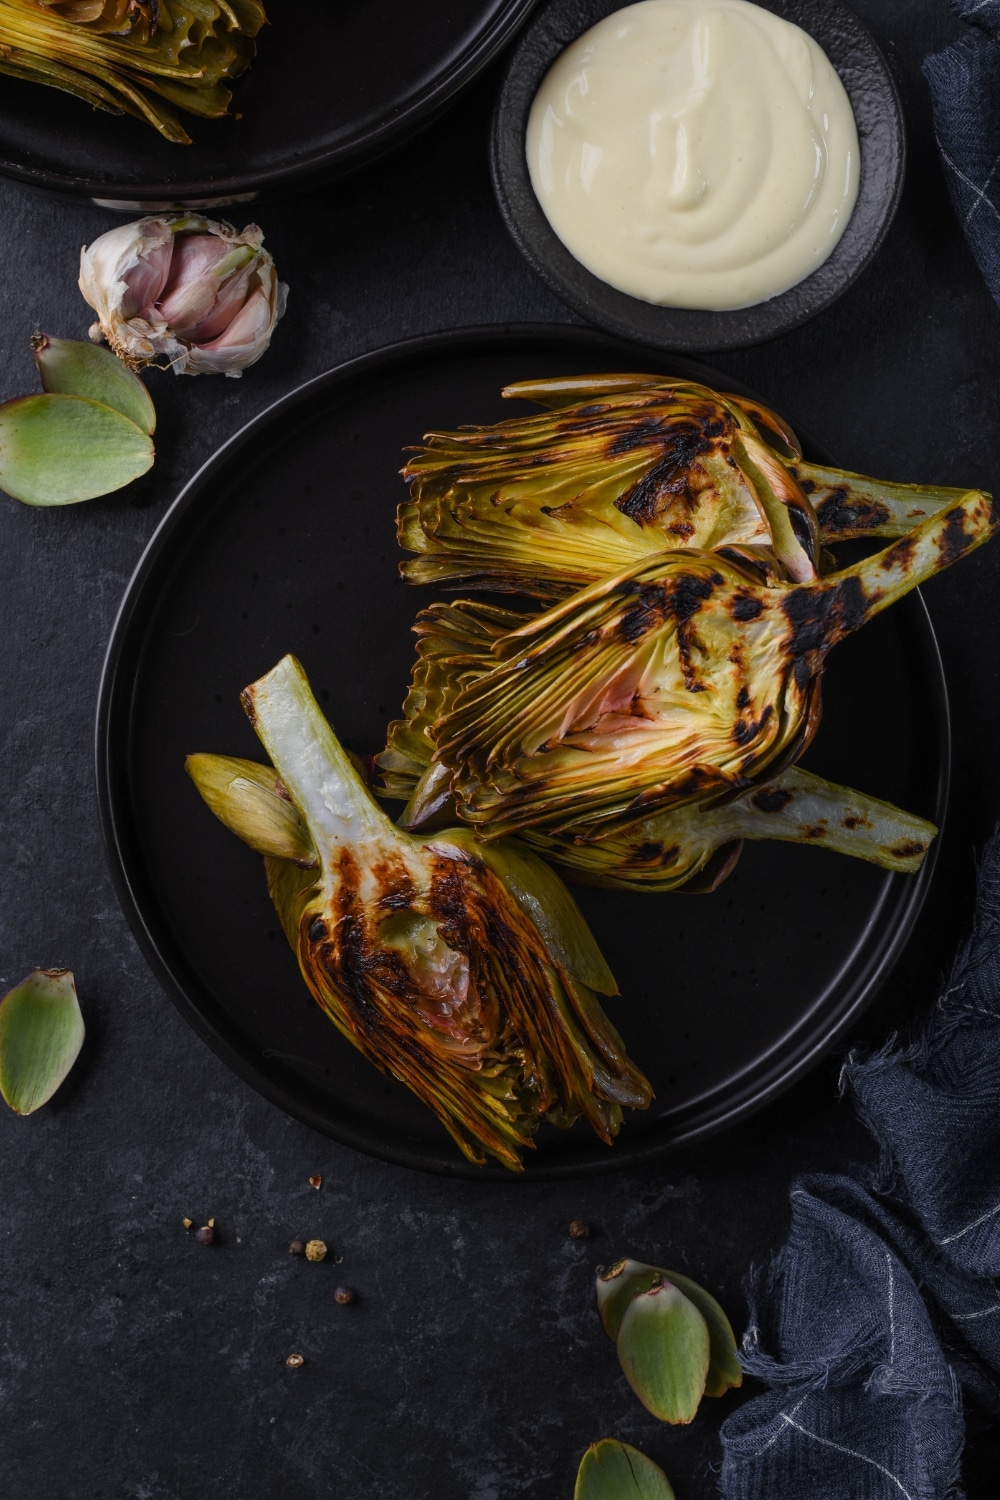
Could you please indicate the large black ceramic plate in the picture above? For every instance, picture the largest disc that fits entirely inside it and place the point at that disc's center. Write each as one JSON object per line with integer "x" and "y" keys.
{"x": 877, "y": 110}
{"x": 335, "y": 83}
{"x": 285, "y": 541}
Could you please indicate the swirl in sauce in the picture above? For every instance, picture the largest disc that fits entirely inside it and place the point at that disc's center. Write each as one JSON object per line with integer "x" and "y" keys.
{"x": 695, "y": 153}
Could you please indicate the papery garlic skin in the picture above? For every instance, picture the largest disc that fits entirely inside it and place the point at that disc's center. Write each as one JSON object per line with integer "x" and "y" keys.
{"x": 185, "y": 290}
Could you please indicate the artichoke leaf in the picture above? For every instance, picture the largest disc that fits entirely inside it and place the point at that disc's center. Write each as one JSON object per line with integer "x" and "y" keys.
{"x": 664, "y": 1350}
{"x": 611, "y": 1470}
{"x": 41, "y": 1033}
{"x": 60, "y": 449}
{"x": 248, "y": 798}
{"x": 76, "y": 367}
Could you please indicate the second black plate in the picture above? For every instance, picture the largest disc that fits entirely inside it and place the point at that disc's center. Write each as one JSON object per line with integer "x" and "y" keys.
{"x": 334, "y": 84}
{"x": 286, "y": 542}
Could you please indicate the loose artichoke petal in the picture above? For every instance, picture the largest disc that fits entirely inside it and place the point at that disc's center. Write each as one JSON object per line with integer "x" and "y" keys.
{"x": 58, "y": 450}
{"x": 74, "y": 367}
{"x": 724, "y": 1373}
{"x": 664, "y": 1348}
{"x": 41, "y": 1033}
{"x": 611, "y": 1470}
{"x": 247, "y": 798}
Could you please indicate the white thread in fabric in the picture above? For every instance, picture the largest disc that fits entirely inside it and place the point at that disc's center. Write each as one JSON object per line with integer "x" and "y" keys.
{"x": 990, "y": 1213}
{"x": 984, "y": 198}
{"x": 850, "y": 1453}
{"x": 984, "y": 1312}
{"x": 968, "y": 180}
{"x": 981, "y": 6}
{"x": 892, "y": 1311}
{"x": 783, "y": 1416}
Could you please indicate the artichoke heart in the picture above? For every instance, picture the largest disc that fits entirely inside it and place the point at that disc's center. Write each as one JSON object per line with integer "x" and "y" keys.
{"x": 145, "y": 58}
{"x": 468, "y": 973}
{"x": 620, "y": 467}
{"x": 638, "y": 731}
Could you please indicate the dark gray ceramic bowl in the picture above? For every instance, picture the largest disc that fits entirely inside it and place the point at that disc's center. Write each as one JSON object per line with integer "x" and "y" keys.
{"x": 877, "y": 109}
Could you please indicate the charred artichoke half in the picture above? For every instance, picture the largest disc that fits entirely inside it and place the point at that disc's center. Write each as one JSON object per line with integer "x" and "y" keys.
{"x": 467, "y": 972}
{"x": 682, "y": 683}
{"x": 145, "y": 58}
{"x": 621, "y": 467}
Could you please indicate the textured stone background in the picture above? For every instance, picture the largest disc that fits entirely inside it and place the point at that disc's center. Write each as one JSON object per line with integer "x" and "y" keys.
{"x": 136, "y": 1365}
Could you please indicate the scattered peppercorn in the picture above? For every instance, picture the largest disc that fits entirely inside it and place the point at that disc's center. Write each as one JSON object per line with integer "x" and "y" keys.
{"x": 206, "y": 1234}
{"x": 315, "y": 1250}
{"x": 344, "y": 1296}
{"x": 188, "y": 1223}
{"x": 297, "y": 1247}
{"x": 316, "y": 1182}
{"x": 579, "y": 1230}
{"x": 295, "y": 1361}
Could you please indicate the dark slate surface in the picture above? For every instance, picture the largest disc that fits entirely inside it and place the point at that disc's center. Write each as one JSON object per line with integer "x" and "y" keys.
{"x": 136, "y": 1364}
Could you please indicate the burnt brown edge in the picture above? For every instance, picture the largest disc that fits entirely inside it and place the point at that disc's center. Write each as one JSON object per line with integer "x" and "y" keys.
{"x": 903, "y": 895}
{"x": 339, "y": 161}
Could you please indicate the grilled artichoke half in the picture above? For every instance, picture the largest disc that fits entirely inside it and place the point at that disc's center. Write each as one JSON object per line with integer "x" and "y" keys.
{"x": 681, "y": 682}
{"x": 621, "y": 467}
{"x": 692, "y": 847}
{"x": 467, "y": 973}
{"x": 136, "y": 57}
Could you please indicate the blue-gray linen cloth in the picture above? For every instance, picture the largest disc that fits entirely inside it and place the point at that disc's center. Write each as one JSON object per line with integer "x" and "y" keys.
{"x": 882, "y": 1312}
{"x": 964, "y": 81}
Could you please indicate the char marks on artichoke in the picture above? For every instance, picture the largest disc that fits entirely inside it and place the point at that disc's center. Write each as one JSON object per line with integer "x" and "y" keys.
{"x": 468, "y": 974}
{"x": 623, "y": 466}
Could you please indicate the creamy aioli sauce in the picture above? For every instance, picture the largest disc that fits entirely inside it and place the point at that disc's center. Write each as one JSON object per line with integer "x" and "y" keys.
{"x": 695, "y": 153}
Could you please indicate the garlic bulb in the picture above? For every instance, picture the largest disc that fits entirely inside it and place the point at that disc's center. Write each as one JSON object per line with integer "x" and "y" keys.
{"x": 184, "y": 290}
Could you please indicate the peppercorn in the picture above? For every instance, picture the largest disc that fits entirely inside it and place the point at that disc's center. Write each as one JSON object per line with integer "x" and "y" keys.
{"x": 206, "y": 1234}
{"x": 315, "y": 1250}
{"x": 316, "y": 1182}
{"x": 344, "y": 1296}
{"x": 579, "y": 1230}
{"x": 295, "y": 1361}
{"x": 297, "y": 1247}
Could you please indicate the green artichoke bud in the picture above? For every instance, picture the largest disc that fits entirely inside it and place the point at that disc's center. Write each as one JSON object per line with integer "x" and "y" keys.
{"x": 682, "y": 680}
{"x": 620, "y": 1285}
{"x": 467, "y": 973}
{"x": 622, "y": 466}
{"x": 611, "y": 1470}
{"x": 136, "y": 57}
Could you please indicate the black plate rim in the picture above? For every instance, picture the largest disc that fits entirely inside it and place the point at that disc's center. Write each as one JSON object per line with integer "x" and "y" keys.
{"x": 113, "y": 712}
{"x": 684, "y": 330}
{"x": 305, "y": 170}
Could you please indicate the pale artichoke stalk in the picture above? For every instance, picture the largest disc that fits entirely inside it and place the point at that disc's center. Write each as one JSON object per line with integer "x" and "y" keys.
{"x": 469, "y": 974}
{"x": 680, "y": 680}
{"x": 189, "y": 291}
{"x": 623, "y": 466}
